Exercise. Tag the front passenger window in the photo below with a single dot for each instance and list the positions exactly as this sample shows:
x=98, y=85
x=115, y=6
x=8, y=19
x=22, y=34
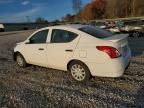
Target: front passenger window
x=39, y=37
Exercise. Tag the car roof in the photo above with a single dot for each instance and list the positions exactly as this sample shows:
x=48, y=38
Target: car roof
x=71, y=26
x=74, y=26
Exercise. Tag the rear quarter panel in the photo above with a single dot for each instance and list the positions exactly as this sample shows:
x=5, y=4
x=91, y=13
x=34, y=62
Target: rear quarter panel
x=86, y=50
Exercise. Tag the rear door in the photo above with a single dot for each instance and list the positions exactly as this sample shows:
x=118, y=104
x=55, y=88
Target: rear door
x=61, y=48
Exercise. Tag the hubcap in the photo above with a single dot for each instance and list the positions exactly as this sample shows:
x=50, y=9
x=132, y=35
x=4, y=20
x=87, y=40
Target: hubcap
x=78, y=72
x=20, y=60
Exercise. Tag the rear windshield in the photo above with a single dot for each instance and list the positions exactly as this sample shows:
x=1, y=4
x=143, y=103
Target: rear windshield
x=96, y=32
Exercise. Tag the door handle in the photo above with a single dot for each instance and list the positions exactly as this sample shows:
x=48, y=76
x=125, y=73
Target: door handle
x=69, y=50
x=40, y=49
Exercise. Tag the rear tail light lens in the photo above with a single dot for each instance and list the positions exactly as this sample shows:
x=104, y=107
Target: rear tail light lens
x=111, y=51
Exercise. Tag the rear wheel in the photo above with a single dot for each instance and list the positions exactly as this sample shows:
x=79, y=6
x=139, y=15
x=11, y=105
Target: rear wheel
x=20, y=60
x=79, y=71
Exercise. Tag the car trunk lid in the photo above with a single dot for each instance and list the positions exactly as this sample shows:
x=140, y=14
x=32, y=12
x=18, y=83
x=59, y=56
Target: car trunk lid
x=117, y=38
x=121, y=41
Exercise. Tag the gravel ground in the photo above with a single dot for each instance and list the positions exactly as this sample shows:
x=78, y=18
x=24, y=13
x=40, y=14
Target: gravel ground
x=37, y=87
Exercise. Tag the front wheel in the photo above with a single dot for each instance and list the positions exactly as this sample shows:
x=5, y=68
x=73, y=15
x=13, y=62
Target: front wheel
x=1, y=30
x=79, y=71
x=20, y=60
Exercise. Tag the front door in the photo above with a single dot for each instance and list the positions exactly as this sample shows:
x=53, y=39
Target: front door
x=35, y=50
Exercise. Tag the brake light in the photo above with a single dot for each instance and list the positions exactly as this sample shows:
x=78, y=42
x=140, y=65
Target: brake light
x=111, y=51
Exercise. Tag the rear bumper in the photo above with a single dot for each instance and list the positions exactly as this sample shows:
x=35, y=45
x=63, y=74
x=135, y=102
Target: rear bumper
x=111, y=68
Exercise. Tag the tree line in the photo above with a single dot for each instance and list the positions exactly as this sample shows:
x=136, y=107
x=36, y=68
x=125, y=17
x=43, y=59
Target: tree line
x=101, y=9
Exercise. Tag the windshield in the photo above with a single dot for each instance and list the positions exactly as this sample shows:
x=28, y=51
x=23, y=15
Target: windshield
x=96, y=32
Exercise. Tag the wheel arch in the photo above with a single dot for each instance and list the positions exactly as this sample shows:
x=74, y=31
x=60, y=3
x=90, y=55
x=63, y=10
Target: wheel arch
x=14, y=55
x=73, y=60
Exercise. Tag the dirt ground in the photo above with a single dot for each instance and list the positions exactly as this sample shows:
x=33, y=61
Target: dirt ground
x=37, y=87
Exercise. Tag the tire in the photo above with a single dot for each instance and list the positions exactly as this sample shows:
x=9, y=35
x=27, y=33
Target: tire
x=136, y=34
x=79, y=71
x=130, y=34
x=142, y=34
x=1, y=30
x=20, y=60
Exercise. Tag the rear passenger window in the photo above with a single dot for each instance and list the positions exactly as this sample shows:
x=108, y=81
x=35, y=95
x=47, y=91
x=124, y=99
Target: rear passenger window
x=62, y=36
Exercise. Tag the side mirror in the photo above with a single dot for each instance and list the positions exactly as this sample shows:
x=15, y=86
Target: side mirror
x=27, y=41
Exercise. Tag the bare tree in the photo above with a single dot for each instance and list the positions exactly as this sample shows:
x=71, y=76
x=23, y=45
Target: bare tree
x=137, y=8
x=68, y=18
x=41, y=20
x=124, y=8
x=98, y=9
x=77, y=5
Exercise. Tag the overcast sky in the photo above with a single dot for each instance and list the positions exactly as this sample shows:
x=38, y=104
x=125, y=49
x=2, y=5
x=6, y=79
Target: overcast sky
x=18, y=10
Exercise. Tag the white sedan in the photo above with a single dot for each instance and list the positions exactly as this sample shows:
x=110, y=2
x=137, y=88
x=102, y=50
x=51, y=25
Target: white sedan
x=2, y=29
x=82, y=50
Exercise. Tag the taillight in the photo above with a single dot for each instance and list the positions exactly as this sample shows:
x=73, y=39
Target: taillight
x=111, y=51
